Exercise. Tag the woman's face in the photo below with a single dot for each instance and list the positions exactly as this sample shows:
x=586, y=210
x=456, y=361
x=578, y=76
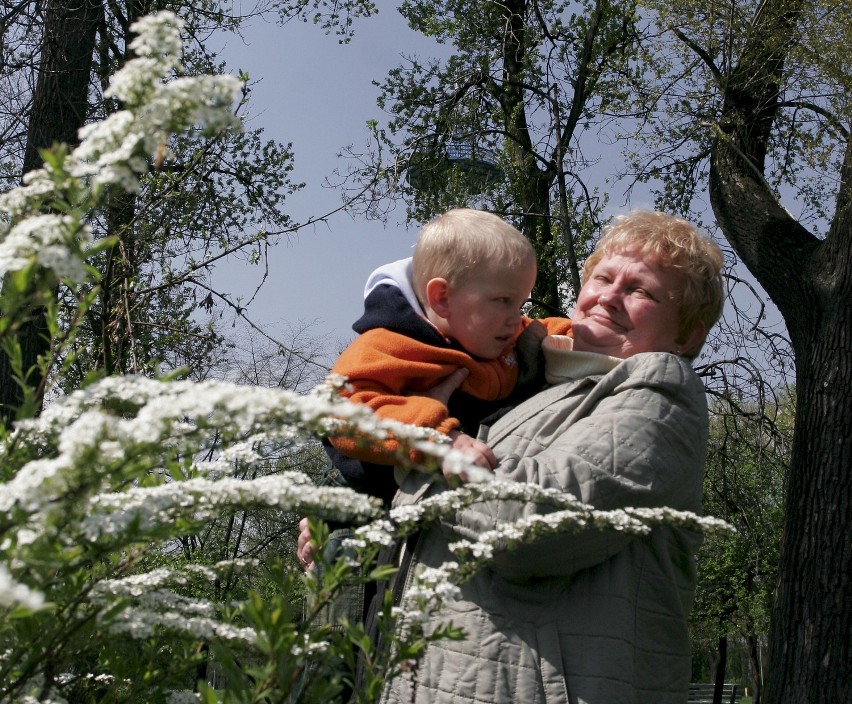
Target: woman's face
x=626, y=307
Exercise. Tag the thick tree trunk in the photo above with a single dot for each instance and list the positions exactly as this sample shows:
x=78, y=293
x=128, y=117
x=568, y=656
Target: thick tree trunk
x=810, y=280
x=60, y=107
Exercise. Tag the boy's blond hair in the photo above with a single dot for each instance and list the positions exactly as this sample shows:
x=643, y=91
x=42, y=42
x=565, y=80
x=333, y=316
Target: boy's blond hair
x=464, y=241
x=671, y=242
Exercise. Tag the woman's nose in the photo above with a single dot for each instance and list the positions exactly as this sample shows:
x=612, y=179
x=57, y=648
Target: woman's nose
x=608, y=296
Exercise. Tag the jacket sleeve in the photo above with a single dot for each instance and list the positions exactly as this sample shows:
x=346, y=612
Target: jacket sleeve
x=381, y=373
x=642, y=443
x=531, y=366
x=556, y=326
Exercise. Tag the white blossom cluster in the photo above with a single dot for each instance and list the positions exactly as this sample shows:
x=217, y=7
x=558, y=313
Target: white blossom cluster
x=134, y=586
x=155, y=411
x=381, y=532
x=155, y=609
x=554, y=511
x=67, y=677
x=431, y=588
x=530, y=528
x=402, y=518
x=44, y=238
x=13, y=593
x=140, y=623
x=146, y=508
x=687, y=519
x=441, y=504
x=173, y=418
x=636, y=521
x=116, y=150
x=306, y=646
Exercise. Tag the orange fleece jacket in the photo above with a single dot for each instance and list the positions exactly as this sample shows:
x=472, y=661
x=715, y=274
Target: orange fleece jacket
x=383, y=366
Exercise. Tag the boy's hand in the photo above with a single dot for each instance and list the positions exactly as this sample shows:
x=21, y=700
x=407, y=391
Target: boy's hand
x=477, y=451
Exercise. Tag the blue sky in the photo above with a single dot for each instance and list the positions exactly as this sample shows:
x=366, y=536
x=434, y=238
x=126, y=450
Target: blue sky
x=318, y=94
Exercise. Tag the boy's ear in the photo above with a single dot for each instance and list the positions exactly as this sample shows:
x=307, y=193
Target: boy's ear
x=438, y=297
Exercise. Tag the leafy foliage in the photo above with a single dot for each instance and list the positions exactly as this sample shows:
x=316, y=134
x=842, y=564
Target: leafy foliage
x=745, y=484
x=508, y=119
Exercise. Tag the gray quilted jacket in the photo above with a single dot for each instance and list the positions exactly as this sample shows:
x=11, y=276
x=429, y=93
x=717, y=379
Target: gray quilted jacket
x=592, y=616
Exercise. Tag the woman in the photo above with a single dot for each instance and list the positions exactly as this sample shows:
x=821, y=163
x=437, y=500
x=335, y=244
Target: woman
x=592, y=616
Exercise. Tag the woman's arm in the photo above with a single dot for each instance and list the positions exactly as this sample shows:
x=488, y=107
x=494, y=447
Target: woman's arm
x=636, y=438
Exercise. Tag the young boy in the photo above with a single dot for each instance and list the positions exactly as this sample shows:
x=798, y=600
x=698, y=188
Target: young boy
x=455, y=304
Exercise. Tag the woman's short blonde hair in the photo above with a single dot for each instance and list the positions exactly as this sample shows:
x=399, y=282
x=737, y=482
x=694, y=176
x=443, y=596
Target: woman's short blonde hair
x=671, y=242
x=464, y=241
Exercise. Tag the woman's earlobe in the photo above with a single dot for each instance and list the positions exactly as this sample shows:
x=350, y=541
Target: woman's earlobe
x=694, y=340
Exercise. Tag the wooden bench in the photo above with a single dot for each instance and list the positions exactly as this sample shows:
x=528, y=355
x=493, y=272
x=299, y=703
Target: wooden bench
x=700, y=693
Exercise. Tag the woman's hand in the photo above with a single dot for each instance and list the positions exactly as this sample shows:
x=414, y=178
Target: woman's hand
x=304, y=545
x=446, y=388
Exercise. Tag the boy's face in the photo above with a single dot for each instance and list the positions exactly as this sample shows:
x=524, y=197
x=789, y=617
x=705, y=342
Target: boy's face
x=483, y=313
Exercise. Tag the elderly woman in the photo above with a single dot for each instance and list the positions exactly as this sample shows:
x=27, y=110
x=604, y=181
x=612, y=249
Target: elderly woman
x=592, y=615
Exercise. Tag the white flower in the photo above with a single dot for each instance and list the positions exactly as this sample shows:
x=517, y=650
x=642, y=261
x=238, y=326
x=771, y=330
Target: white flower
x=48, y=239
x=158, y=35
x=13, y=592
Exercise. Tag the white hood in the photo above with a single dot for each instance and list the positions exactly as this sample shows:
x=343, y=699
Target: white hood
x=397, y=274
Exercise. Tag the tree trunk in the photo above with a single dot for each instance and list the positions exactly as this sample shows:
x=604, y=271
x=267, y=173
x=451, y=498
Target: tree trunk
x=810, y=280
x=721, y=666
x=532, y=184
x=756, y=678
x=59, y=109
x=114, y=324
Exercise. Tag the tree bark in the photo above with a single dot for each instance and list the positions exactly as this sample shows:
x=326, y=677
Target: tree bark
x=60, y=107
x=810, y=281
x=719, y=674
x=754, y=661
x=532, y=182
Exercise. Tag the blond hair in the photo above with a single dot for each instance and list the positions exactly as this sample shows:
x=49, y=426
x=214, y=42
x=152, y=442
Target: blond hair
x=462, y=242
x=671, y=242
